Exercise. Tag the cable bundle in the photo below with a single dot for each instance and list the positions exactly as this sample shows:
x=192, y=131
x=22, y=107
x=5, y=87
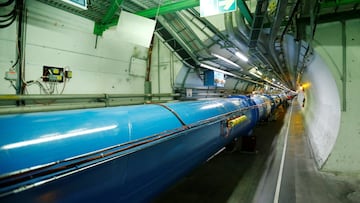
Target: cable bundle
x=8, y=18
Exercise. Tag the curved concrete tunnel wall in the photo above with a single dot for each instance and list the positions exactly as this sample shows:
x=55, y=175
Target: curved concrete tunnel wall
x=321, y=108
x=332, y=101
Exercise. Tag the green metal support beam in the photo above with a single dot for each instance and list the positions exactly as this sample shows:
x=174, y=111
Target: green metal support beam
x=115, y=5
x=99, y=28
x=169, y=8
x=108, y=20
x=245, y=11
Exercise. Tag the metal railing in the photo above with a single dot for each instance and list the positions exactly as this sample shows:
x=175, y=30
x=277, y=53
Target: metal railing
x=12, y=104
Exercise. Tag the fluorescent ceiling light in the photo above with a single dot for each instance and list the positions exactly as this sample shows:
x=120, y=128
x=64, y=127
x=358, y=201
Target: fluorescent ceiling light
x=254, y=71
x=276, y=84
x=256, y=75
x=226, y=60
x=241, y=56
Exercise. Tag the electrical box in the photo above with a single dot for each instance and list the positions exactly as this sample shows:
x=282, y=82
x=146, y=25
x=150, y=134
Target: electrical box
x=53, y=74
x=11, y=75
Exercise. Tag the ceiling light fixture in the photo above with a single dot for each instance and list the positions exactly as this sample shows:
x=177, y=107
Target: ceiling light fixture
x=276, y=84
x=241, y=56
x=254, y=71
x=226, y=60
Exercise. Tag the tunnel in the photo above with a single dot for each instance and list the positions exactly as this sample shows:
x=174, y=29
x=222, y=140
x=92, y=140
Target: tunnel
x=179, y=101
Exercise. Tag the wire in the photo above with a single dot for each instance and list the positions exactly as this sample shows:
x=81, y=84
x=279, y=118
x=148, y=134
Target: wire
x=42, y=87
x=13, y=85
x=9, y=14
x=62, y=90
x=23, y=21
x=7, y=3
x=7, y=19
x=16, y=62
x=8, y=24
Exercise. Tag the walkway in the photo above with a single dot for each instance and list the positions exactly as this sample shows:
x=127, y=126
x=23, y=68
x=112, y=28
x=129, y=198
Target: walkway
x=291, y=174
x=282, y=171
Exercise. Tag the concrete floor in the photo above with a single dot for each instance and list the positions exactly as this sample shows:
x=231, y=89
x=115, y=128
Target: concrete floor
x=254, y=177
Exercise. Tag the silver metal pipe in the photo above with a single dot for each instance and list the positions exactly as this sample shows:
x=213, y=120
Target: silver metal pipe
x=67, y=106
x=280, y=13
x=235, y=37
x=229, y=26
x=80, y=96
x=50, y=97
x=29, y=109
x=241, y=25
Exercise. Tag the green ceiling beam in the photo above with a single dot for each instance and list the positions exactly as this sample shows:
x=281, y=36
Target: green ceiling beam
x=244, y=9
x=337, y=3
x=169, y=8
x=99, y=28
x=115, y=6
x=108, y=19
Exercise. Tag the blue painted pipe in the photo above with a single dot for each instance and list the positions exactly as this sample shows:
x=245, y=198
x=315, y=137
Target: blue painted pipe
x=264, y=106
x=117, y=154
x=273, y=103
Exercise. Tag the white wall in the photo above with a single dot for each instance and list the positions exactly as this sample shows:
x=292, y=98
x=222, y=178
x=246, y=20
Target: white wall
x=61, y=39
x=7, y=56
x=345, y=156
x=58, y=38
x=164, y=69
x=326, y=98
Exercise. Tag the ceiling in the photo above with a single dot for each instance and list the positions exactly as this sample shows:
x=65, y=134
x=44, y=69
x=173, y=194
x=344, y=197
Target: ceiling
x=259, y=29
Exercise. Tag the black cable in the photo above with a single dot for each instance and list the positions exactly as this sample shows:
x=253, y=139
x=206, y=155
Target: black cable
x=8, y=24
x=9, y=14
x=16, y=62
x=7, y=19
x=7, y=3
